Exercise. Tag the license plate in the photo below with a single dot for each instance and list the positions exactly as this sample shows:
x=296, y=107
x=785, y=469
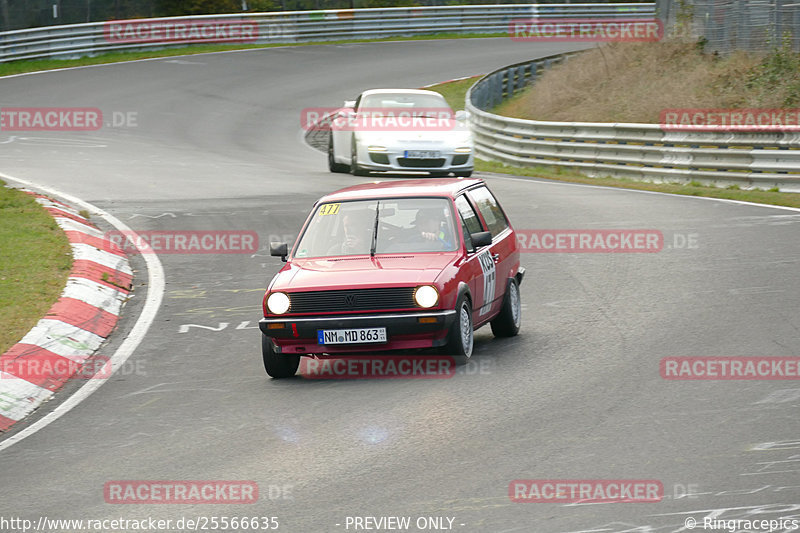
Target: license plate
x=351, y=336
x=422, y=154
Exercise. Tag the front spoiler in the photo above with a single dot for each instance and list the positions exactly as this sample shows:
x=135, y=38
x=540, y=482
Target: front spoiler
x=395, y=324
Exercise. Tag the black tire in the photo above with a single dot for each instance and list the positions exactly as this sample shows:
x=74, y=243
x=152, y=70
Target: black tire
x=461, y=338
x=354, y=168
x=507, y=322
x=464, y=174
x=333, y=166
x=439, y=174
x=278, y=365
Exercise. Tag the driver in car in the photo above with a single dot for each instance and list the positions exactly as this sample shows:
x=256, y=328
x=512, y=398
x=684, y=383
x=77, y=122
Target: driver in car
x=429, y=224
x=356, y=233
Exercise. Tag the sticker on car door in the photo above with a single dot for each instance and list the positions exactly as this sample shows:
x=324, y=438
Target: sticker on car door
x=489, y=281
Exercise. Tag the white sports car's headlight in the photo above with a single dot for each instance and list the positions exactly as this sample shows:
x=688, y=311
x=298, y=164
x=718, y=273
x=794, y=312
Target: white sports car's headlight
x=278, y=303
x=426, y=296
x=463, y=150
x=376, y=148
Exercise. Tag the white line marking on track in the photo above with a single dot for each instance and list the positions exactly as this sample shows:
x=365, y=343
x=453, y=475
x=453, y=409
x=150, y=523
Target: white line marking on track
x=155, y=293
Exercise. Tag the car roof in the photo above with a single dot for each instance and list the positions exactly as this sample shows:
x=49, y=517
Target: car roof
x=399, y=91
x=449, y=187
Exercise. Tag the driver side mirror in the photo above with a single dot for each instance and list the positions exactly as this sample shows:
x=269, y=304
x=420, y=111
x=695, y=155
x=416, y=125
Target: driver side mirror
x=279, y=249
x=482, y=238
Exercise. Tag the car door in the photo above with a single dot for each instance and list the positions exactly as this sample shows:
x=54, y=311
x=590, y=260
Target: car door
x=479, y=267
x=501, y=260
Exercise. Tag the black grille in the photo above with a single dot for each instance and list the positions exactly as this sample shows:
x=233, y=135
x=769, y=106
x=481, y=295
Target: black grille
x=352, y=300
x=381, y=159
x=460, y=159
x=420, y=163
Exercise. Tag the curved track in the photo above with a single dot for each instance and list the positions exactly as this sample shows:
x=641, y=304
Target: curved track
x=576, y=396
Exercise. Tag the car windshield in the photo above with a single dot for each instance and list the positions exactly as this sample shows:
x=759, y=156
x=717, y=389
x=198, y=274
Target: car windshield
x=395, y=101
x=405, y=225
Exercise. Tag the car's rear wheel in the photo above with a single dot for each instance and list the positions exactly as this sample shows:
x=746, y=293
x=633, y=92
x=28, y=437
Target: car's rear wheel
x=507, y=322
x=354, y=168
x=278, y=365
x=460, y=339
x=333, y=166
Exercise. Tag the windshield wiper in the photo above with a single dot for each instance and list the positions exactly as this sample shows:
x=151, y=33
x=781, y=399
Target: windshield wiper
x=375, y=231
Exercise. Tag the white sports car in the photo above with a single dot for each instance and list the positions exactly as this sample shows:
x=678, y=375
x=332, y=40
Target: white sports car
x=391, y=130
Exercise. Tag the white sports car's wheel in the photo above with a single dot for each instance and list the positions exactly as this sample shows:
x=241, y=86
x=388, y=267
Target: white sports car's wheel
x=354, y=168
x=333, y=166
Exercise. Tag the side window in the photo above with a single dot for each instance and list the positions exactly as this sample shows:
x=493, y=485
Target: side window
x=468, y=215
x=490, y=209
x=467, y=238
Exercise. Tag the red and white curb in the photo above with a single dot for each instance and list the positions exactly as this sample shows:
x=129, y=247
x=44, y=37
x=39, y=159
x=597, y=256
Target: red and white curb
x=57, y=348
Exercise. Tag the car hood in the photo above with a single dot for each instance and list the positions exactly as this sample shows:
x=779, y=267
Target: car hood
x=361, y=271
x=455, y=137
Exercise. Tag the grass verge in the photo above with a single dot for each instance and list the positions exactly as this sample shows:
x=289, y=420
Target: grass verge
x=634, y=82
x=455, y=92
x=35, y=260
x=24, y=66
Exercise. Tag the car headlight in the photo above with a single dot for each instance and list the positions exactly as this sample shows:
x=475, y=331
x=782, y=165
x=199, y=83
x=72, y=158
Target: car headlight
x=426, y=296
x=278, y=303
x=463, y=150
x=376, y=148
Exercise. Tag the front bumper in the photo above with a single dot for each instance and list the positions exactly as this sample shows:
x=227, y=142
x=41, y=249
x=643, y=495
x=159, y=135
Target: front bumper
x=394, y=160
x=403, y=331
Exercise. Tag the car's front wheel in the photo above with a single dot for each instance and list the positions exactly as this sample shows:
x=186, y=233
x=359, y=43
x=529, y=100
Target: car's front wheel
x=354, y=168
x=460, y=339
x=464, y=174
x=278, y=365
x=333, y=166
x=507, y=322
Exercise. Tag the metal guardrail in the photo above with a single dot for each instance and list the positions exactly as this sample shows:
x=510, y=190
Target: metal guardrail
x=636, y=151
x=308, y=26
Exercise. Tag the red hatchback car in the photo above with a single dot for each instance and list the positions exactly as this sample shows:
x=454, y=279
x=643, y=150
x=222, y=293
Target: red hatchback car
x=397, y=265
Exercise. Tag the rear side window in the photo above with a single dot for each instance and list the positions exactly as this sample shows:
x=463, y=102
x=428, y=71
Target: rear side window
x=490, y=209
